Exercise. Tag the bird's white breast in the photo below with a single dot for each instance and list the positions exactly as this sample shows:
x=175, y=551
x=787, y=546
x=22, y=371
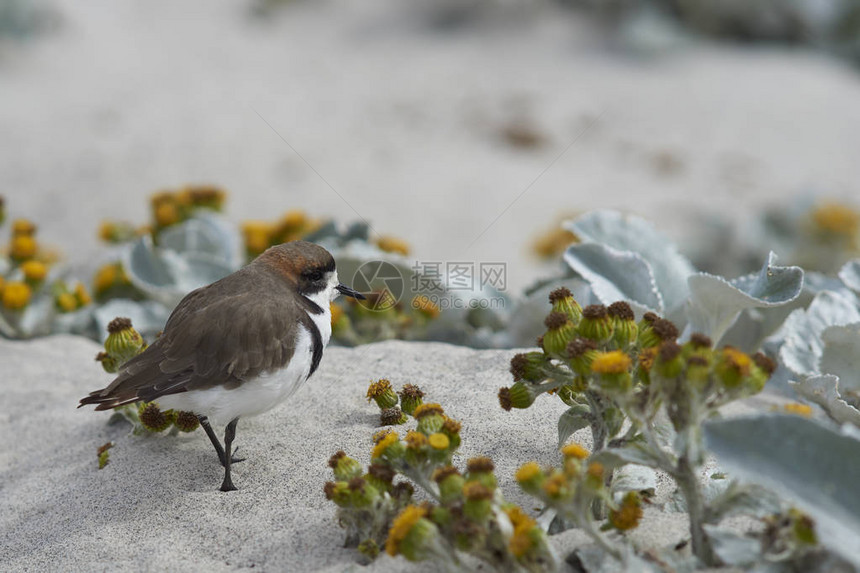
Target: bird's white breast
x=262, y=393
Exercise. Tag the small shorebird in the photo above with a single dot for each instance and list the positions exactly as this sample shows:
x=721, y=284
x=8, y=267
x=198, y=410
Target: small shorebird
x=239, y=346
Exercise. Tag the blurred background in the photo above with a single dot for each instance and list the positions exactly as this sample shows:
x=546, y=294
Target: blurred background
x=468, y=129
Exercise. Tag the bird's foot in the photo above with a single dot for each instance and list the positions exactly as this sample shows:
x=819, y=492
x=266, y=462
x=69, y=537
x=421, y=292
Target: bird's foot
x=233, y=458
x=227, y=485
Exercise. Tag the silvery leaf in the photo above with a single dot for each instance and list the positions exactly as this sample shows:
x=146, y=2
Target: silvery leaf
x=615, y=275
x=77, y=322
x=209, y=234
x=630, y=233
x=147, y=317
x=841, y=351
x=166, y=275
x=801, y=334
x=594, y=559
x=811, y=465
x=824, y=391
x=36, y=318
x=728, y=497
x=573, y=419
x=850, y=275
x=733, y=548
x=630, y=454
x=325, y=232
x=633, y=477
x=715, y=302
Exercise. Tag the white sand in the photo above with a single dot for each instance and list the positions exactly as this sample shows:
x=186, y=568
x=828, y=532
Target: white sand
x=156, y=506
x=403, y=121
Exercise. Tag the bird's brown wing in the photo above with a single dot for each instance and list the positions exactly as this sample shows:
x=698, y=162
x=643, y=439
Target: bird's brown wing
x=222, y=334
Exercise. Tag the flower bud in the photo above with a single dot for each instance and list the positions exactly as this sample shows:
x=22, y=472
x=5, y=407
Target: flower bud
x=389, y=448
x=438, y=441
x=527, y=536
x=451, y=428
x=344, y=467
x=668, y=362
x=478, y=504
x=338, y=492
x=380, y=476
x=123, y=342
x=517, y=396
x=654, y=330
x=562, y=301
x=23, y=227
x=369, y=549
x=529, y=367
x=594, y=476
x=556, y=487
x=412, y=534
x=392, y=417
x=698, y=372
x=450, y=484
x=560, y=331
x=186, y=421
x=480, y=469
x=596, y=324
x=575, y=451
x=530, y=477
x=108, y=362
x=581, y=352
x=411, y=397
x=153, y=418
x=430, y=418
x=732, y=367
x=382, y=393
x=361, y=493
x=624, y=327
x=104, y=454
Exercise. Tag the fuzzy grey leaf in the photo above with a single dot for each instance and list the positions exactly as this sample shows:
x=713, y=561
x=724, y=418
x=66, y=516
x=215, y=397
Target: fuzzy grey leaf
x=801, y=333
x=630, y=454
x=634, y=234
x=810, y=464
x=850, y=275
x=715, y=302
x=573, y=419
x=841, y=349
x=209, y=234
x=732, y=548
x=824, y=391
x=615, y=275
x=634, y=477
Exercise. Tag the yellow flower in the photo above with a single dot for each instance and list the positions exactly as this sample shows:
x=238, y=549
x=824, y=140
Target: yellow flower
x=522, y=540
x=574, y=451
x=105, y=278
x=629, y=514
x=34, y=271
x=553, y=243
x=294, y=219
x=66, y=302
x=257, y=236
x=555, y=485
x=415, y=440
x=23, y=227
x=798, y=409
x=82, y=295
x=427, y=410
x=836, y=219
x=391, y=244
x=166, y=214
x=614, y=362
x=383, y=444
x=23, y=247
x=439, y=441
x=528, y=471
x=401, y=527
x=336, y=313
x=16, y=295
x=423, y=304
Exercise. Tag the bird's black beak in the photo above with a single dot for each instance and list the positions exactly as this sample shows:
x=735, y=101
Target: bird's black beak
x=346, y=291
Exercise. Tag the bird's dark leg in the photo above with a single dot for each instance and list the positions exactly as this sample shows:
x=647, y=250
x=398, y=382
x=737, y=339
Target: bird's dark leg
x=204, y=421
x=229, y=434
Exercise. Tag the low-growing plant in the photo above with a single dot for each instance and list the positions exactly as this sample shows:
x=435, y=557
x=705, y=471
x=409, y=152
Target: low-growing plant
x=622, y=379
x=466, y=512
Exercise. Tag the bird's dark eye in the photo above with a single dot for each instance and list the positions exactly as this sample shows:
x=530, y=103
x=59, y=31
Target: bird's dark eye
x=315, y=275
